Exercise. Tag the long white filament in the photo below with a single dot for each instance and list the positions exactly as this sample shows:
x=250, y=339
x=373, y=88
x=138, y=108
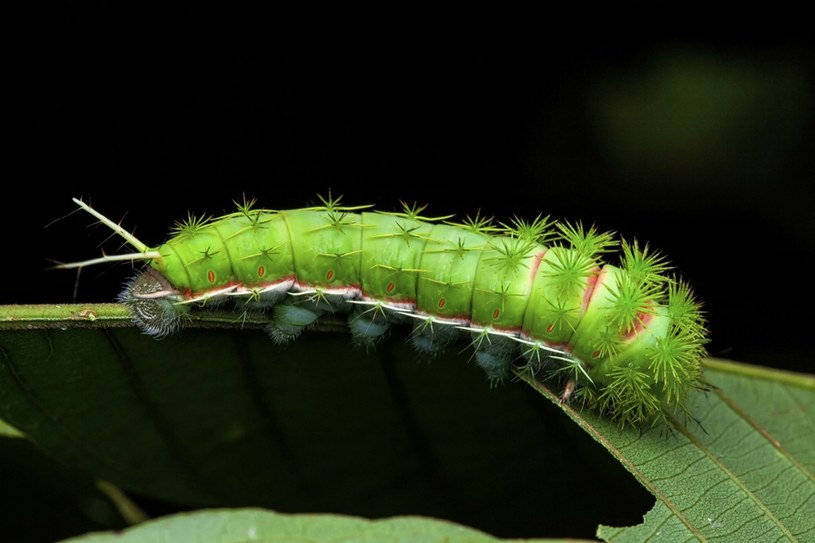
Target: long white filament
x=144, y=254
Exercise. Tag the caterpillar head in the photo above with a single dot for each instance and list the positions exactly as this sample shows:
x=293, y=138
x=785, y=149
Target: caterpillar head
x=154, y=303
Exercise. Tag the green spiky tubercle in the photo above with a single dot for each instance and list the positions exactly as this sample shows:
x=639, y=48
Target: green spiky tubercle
x=628, y=339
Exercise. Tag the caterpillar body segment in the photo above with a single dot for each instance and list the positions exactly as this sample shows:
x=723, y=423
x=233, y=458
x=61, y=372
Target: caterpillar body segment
x=627, y=339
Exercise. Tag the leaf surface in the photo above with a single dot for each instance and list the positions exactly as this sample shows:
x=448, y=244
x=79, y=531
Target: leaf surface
x=238, y=526
x=218, y=417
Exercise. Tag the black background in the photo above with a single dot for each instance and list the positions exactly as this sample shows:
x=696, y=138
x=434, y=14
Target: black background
x=696, y=139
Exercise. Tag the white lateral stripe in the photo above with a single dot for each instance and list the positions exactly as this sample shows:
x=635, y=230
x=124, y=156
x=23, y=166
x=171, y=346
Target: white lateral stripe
x=211, y=294
x=490, y=331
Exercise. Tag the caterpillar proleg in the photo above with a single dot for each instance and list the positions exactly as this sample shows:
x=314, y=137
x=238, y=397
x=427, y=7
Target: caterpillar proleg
x=627, y=338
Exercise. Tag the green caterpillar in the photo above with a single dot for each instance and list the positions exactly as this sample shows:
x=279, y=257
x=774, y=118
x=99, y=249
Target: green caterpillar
x=628, y=339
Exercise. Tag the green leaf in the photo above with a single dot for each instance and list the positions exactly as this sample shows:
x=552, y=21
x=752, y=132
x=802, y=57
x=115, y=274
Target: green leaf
x=744, y=470
x=219, y=417
x=223, y=418
x=238, y=526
